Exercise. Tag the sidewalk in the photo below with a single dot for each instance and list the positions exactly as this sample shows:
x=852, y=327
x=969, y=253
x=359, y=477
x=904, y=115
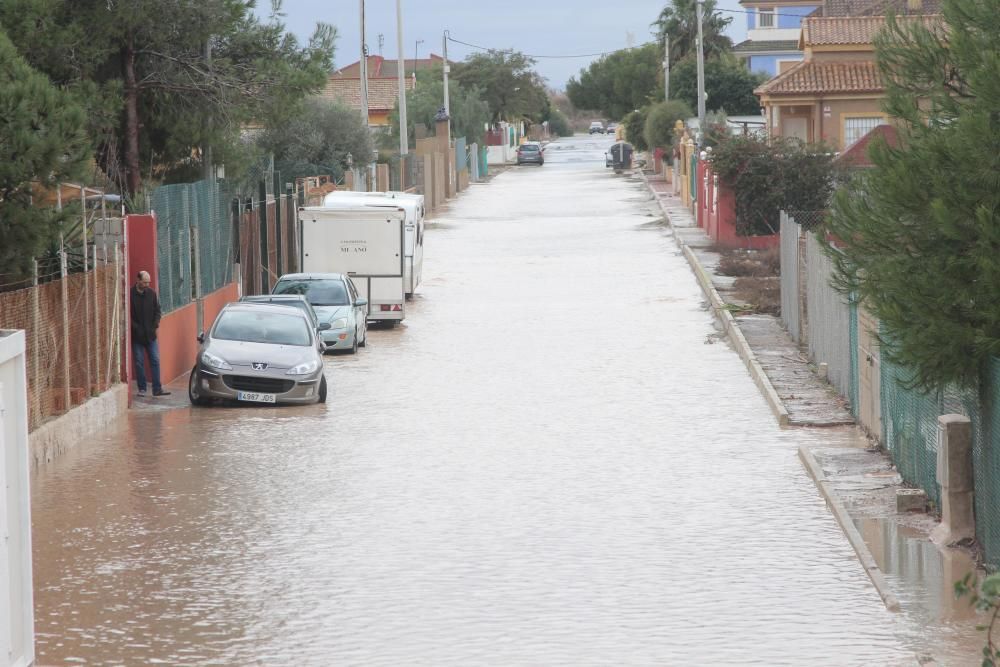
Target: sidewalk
x=859, y=483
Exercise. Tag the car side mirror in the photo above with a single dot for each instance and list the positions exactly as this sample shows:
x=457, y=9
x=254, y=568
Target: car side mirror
x=201, y=337
x=322, y=346
x=361, y=302
x=324, y=326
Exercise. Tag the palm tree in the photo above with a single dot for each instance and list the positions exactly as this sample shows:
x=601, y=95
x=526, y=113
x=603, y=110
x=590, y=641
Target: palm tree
x=679, y=21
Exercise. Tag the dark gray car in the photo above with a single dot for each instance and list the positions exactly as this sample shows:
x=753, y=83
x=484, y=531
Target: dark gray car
x=294, y=300
x=259, y=353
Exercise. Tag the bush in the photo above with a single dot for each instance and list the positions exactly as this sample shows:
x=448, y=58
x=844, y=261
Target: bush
x=559, y=124
x=768, y=177
x=635, y=128
x=659, y=130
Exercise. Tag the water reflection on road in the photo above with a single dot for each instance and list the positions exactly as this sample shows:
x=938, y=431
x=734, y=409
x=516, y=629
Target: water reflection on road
x=551, y=462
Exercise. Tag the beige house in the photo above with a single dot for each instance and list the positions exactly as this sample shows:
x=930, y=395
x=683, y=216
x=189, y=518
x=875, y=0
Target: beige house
x=834, y=95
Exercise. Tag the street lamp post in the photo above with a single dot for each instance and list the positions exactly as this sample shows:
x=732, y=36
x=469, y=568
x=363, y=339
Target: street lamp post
x=404, y=139
x=701, y=69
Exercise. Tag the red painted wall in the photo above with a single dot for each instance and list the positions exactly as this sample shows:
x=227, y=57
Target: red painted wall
x=178, y=334
x=719, y=220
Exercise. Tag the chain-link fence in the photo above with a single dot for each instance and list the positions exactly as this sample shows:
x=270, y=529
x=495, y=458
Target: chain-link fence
x=829, y=317
x=987, y=465
x=74, y=327
x=193, y=241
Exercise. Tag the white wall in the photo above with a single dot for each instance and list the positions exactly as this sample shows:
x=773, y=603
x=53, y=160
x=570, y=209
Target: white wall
x=17, y=628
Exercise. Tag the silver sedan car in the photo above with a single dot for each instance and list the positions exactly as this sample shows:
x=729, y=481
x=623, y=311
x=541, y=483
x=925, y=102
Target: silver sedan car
x=259, y=353
x=336, y=301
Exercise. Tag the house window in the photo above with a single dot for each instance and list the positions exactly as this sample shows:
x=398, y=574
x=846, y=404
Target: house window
x=856, y=127
x=765, y=17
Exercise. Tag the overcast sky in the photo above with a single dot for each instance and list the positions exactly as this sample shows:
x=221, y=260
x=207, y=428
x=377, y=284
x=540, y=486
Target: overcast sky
x=538, y=27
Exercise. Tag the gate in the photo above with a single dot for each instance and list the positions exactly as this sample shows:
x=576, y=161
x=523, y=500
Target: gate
x=869, y=374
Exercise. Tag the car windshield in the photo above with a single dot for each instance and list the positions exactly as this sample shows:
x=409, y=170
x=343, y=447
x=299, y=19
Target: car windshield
x=262, y=327
x=320, y=292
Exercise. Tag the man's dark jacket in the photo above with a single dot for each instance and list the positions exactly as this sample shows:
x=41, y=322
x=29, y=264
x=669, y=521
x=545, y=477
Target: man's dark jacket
x=145, y=315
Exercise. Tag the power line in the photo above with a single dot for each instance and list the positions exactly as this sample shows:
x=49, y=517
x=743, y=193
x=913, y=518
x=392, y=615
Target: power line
x=535, y=55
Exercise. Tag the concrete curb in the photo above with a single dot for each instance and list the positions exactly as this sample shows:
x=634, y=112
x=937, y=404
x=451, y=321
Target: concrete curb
x=729, y=324
x=55, y=438
x=840, y=513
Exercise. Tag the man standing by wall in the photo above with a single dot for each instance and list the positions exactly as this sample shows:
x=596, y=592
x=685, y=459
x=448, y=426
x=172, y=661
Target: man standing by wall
x=145, y=307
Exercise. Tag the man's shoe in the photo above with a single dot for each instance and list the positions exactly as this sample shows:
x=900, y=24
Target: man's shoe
x=141, y=393
x=161, y=393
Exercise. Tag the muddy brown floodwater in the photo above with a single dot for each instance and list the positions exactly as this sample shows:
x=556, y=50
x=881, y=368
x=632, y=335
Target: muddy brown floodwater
x=554, y=461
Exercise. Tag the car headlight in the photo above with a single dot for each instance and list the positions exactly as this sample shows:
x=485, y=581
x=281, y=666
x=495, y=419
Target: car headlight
x=305, y=368
x=339, y=324
x=219, y=363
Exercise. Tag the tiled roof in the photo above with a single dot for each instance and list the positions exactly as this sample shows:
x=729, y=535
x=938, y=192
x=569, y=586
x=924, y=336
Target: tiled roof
x=844, y=30
x=379, y=67
x=382, y=93
x=751, y=46
x=875, y=7
x=825, y=77
x=856, y=154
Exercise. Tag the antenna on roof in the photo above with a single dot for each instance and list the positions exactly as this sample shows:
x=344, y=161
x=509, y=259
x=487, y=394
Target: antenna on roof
x=381, y=43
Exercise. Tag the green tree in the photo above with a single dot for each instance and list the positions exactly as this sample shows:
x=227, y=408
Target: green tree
x=469, y=112
x=679, y=21
x=507, y=83
x=559, y=124
x=921, y=231
x=661, y=120
x=43, y=140
x=728, y=84
x=619, y=83
x=635, y=128
x=165, y=79
x=317, y=140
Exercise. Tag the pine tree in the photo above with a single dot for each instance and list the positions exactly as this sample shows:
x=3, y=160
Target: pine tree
x=42, y=141
x=920, y=233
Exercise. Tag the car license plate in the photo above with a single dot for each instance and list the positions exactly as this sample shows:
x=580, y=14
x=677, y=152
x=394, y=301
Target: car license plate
x=256, y=397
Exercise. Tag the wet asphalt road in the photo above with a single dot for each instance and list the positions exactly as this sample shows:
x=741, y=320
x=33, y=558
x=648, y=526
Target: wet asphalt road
x=554, y=461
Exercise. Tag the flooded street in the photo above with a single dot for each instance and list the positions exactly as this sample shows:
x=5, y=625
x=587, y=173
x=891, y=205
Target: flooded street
x=553, y=461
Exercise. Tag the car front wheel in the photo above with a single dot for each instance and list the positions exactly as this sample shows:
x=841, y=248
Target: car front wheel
x=193, y=395
x=322, y=390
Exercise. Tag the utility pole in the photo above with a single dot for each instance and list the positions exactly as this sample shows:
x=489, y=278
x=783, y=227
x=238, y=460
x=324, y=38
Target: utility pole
x=446, y=69
x=701, y=69
x=404, y=139
x=206, y=158
x=364, y=69
x=666, y=67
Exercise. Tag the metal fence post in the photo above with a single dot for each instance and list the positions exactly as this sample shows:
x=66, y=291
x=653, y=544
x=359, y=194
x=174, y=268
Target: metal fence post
x=97, y=328
x=36, y=357
x=119, y=333
x=64, y=303
x=86, y=299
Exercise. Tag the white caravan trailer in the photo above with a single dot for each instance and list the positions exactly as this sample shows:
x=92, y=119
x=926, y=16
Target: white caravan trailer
x=414, y=206
x=365, y=243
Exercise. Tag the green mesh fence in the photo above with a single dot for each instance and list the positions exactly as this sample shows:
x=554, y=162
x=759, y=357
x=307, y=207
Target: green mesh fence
x=986, y=452
x=853, y=344
x=184, y=213
x=909, y=428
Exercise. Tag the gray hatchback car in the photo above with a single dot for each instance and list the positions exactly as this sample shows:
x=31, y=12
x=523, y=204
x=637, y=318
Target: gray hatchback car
x=259, y=353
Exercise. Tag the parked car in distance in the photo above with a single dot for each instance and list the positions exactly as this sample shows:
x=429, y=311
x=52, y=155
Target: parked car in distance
x=610, y=129
x=336, y=301
x=259, y=353
x=596, y=127
x=293, y=300
x=530, y=153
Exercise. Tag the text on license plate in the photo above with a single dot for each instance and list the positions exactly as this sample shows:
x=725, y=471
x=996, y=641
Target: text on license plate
x=255, y=396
